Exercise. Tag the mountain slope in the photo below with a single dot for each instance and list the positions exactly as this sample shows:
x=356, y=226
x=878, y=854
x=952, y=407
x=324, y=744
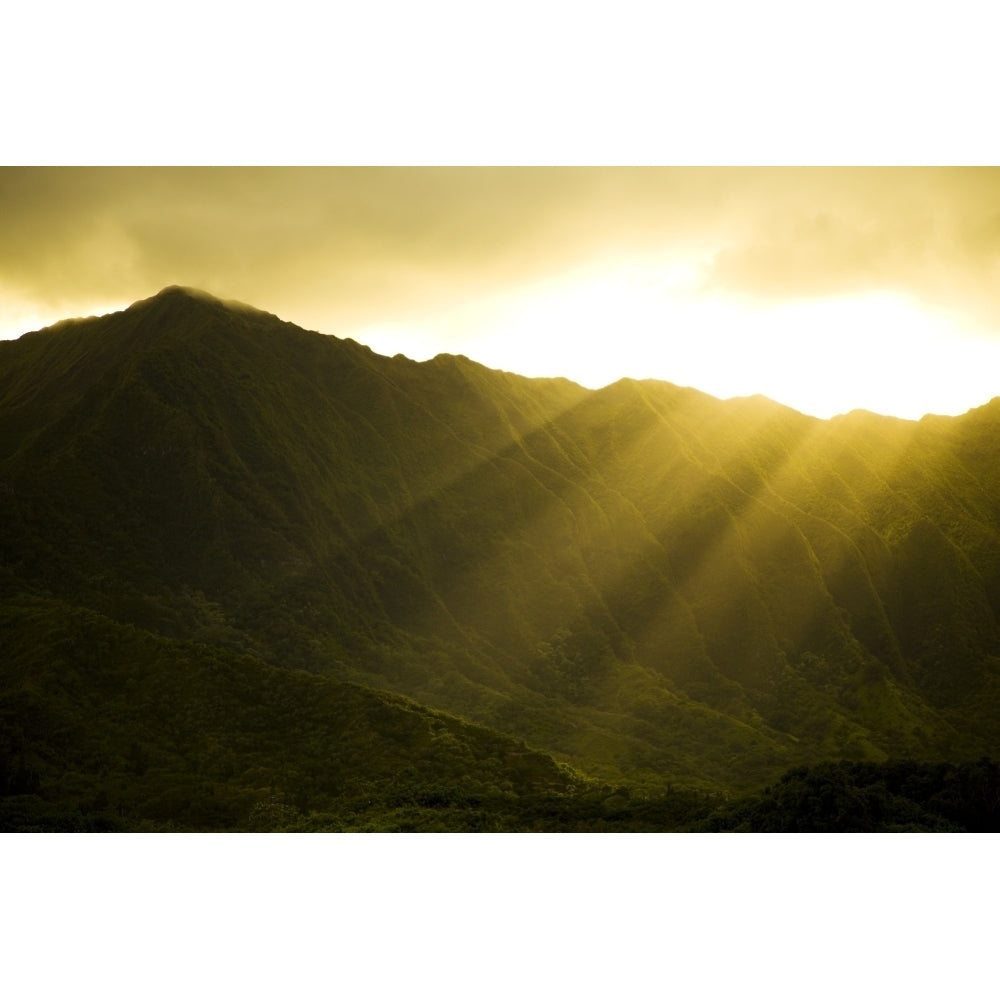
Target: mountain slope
x=644, y=581
x=121, y=729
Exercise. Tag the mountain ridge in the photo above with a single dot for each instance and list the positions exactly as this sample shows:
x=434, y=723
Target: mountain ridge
x=647, y=583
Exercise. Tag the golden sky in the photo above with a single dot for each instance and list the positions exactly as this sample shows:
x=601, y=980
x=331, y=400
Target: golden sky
x=824, y=288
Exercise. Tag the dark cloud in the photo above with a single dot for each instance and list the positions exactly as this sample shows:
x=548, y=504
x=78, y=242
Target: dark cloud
x=347, y=245
x=350, y=236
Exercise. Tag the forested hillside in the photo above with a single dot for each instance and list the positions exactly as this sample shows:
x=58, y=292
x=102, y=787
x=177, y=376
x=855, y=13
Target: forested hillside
x=224, y=538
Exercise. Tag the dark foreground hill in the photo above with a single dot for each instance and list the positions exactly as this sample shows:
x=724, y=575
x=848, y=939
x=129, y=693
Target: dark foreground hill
x=639, y=588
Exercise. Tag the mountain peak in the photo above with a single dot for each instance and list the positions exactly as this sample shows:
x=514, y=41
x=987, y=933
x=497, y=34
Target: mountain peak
x=178, y=294
x=178, y=291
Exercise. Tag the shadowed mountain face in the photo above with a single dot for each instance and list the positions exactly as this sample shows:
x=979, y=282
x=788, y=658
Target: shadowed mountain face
x=650, y=584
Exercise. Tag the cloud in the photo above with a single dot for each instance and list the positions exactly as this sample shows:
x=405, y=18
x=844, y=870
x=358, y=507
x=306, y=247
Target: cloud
x=930, y=234
x=339, y=246
x=347, y=235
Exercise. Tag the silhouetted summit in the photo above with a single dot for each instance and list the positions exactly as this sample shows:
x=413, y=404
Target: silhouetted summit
x=179, y=297
x=178, y=292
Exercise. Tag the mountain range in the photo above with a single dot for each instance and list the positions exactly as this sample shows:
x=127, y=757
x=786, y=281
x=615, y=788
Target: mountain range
x=256, y=577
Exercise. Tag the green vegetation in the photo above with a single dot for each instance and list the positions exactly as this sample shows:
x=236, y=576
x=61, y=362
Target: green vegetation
x=109, y=727
x=895, y=797
x=300, y=585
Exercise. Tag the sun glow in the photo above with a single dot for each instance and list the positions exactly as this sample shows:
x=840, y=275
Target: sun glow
x=19, y=317
x=878, y=351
